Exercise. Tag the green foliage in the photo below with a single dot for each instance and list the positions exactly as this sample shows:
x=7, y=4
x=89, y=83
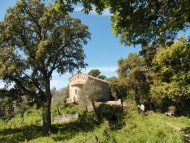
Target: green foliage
x=35, y=41
x=11, y=102
x=118, y=88
x=138, y=22
x=171, y=75
x=72, y=109
x=90, y=93
x=113, y=114
x=59, y=98
x=153, y=128
x=148, y=52
x=133, y=75
x=96, y=73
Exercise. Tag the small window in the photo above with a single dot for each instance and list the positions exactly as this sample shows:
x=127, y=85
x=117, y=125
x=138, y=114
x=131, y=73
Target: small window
x=75, y=91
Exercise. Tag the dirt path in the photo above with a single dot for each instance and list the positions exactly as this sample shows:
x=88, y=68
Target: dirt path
x=180, y=130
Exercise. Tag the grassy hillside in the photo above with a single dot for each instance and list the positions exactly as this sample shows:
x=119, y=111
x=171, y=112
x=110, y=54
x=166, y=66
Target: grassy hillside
x=153, y=128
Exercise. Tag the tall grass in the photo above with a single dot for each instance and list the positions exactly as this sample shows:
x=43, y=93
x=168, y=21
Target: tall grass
x=137, y=129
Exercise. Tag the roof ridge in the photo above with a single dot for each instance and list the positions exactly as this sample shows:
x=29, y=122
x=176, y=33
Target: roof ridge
x=89, y=76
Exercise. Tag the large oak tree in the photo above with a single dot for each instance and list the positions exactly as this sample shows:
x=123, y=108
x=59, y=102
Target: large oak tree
x=35, y=41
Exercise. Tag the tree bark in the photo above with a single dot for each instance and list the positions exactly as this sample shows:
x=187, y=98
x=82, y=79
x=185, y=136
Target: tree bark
x=58, y=111
x=93, y=105
x=46, y=116
x=46, y=110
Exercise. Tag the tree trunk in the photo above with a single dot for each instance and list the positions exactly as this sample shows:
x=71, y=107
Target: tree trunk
x=58, y=111
x=122, y=102
x=93, y=105
x=46, y=107
x=86, y=109
x=46, y=116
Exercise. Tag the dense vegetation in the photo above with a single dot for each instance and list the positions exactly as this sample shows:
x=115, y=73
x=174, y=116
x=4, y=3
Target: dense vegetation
x=135, y=128
x=158, y=76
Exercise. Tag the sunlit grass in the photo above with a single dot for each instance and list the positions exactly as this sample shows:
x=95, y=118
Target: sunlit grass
x=137, y=129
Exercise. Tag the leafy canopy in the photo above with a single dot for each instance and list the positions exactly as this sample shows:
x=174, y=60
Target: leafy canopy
x=139, y=21
x=134, y=73
x=171, y=74
x=35, y=41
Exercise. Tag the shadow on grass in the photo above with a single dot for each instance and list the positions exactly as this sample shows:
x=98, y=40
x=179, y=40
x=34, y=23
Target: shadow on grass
x=187, y=130
x=187, y=134
x=59, y=132
x=21, y=134
x=66, y=131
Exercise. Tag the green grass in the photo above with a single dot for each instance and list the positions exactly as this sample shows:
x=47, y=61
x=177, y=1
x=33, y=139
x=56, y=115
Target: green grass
x=137, y=129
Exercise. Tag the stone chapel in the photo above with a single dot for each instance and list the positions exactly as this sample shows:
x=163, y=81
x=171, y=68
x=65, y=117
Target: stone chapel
x=77, y=81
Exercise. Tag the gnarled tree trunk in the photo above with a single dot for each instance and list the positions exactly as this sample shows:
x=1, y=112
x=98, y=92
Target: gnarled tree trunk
x=46, y=116
x=46, y=109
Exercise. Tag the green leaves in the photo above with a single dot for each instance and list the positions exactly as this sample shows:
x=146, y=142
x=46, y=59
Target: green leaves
x=171, y=75
x=43, y=39
x=35, y=41
x=139, y=22
x=96, y=73
x=90, y=92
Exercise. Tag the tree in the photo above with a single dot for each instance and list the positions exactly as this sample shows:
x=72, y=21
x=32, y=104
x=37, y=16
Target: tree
x=134, y=71
x=35, y=41
x=96, y=73
x=59, y=98
x=53, y=91
x=102, y=77
x=11, y=103
x=148, y=52
x=139, y=21
x=118, y=88
x=171, y=74
x=90, y=93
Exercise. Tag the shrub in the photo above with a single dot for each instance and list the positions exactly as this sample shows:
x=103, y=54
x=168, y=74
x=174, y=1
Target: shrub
x=112, y=113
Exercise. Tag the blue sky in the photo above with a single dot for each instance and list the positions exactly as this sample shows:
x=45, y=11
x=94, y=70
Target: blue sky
x=102, y=51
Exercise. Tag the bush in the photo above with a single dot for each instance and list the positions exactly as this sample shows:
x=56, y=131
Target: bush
x=112, y=113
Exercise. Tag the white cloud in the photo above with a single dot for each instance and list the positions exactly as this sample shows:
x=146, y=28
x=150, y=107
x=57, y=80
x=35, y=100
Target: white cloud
x=107, y=71
x=93, y=12
x=103, y=69
x=78, y=8
x=106, y=12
